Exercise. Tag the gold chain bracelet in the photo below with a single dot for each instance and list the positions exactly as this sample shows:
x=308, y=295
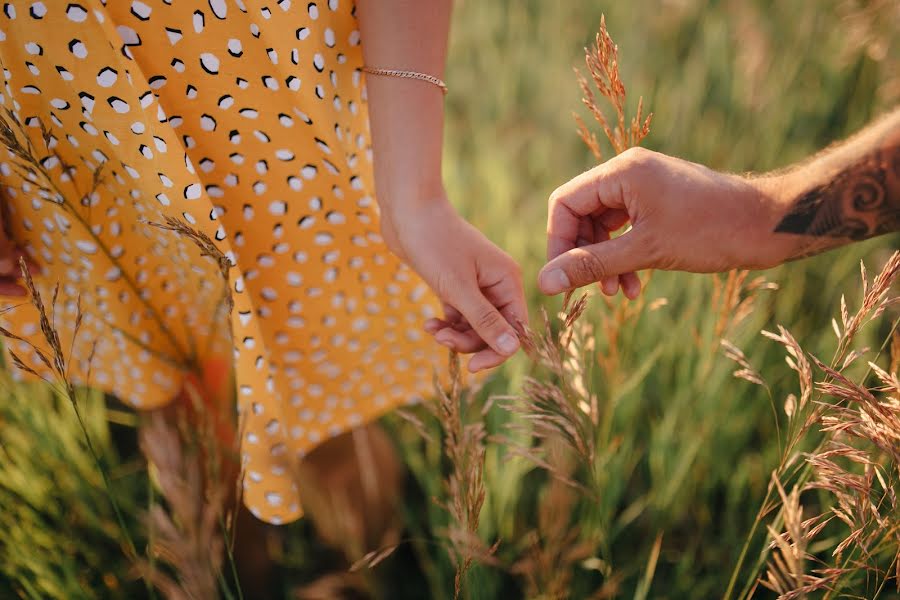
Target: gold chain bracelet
x=408, y=75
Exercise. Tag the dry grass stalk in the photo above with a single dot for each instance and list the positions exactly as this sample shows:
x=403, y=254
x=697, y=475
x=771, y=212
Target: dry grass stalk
x=560, y=418
x=786, y=574
x=746, y=372
x=875, y=301
x=563, y=412
x=557, y=545
x=464, y=447
x=187, y=535
x=194, y=486
x=858, y=460
x=54, y=358
x=566, y=411
x=602, y=62
x=616, y=318
x=37, y=168
x=734, y=298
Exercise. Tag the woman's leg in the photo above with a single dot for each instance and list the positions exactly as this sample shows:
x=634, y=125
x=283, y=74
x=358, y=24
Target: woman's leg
x=351, y=485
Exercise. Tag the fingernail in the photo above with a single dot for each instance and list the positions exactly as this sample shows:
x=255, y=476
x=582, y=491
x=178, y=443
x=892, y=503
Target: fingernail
x=555, y=281
x=6, y=265
x=444, y=341
x=507, y=343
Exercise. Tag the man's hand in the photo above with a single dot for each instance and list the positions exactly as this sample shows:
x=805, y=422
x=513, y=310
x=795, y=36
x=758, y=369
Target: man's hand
x=683, y=217
x=479, y=284
x=686, y=217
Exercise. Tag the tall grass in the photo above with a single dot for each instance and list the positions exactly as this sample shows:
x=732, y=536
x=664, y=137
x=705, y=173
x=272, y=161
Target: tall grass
x=634, y=463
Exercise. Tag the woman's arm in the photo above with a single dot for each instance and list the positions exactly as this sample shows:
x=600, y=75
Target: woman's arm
x=406, y=115
x=480, y=286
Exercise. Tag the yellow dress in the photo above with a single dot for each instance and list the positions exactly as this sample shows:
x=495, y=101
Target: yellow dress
x=154, y=123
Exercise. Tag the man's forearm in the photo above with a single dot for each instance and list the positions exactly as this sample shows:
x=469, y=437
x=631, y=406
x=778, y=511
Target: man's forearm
x=406, y=115
x=851, y=192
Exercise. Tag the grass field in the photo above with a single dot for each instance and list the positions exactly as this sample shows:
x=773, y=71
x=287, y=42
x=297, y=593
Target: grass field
x=684, y=450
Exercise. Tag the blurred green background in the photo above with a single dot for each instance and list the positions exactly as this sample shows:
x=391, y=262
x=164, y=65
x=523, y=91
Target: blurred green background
x=734, y=84
x=740, y=85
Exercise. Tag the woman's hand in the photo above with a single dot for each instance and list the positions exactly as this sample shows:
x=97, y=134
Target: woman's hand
x=479, y=284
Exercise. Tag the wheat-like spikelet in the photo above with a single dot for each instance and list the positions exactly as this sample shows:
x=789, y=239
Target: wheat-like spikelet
x=602, y=62
x=187, y=536
x=464, y=447
x=734, y=299
x=561, y=410
x=557, y=545
x=787, y=572
x=177, y=450
x=556, y=419
x=54, y=358
x=857, y=462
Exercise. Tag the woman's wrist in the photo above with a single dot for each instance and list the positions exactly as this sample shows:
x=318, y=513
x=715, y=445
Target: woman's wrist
x=400, y=196
x=403, y=215
x=403, y=212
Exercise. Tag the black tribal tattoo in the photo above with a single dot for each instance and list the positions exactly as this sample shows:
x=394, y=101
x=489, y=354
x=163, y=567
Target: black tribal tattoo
x=862, y=201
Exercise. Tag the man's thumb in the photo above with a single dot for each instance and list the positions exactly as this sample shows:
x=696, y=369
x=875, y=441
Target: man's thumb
x=585, y=265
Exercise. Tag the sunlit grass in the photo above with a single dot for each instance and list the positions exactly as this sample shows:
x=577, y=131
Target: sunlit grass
x=684, y=451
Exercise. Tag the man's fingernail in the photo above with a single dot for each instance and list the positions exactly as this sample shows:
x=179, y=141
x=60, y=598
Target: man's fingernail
x=555, y=281
x=610, y=286
x=507, y=343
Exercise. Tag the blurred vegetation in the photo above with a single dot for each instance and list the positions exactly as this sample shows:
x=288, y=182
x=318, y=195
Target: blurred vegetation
x=735, y=84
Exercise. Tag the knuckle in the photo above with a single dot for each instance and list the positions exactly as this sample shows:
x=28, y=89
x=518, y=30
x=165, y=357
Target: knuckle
x=588, y=267
x=487, y=319
x=637, y=156
x=445, y=285
x=626, y=179
x=514, y=268
x=555, y=198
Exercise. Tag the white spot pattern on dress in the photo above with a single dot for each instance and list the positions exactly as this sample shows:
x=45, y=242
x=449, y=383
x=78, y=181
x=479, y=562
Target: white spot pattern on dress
x=323, y=313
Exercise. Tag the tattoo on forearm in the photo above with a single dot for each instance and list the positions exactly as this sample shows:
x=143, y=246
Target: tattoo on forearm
x=862, y=201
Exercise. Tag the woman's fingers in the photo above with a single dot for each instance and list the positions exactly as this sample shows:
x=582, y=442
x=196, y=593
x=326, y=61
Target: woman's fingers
x=432, y=326
x=464, y=342
x=481, y=308
x=486, y=359
x=509, y=296
x=453, y=319
x=483, y=320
